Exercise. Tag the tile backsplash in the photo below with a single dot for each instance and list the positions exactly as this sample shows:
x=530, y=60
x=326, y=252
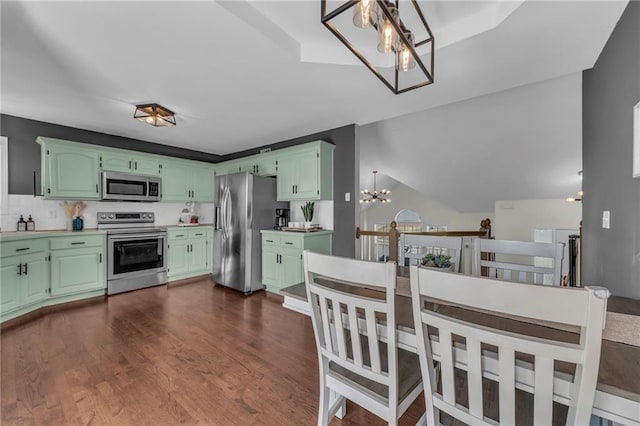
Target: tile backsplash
x=49, y=214
x=322, y=214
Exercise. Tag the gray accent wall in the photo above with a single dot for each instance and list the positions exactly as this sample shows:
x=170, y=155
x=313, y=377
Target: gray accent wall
x=611, y=257
x=24, y=152
x=24, y=158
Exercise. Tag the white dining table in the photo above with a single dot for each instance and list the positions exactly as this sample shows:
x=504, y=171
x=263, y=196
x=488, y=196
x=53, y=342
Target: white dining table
x=617, y=396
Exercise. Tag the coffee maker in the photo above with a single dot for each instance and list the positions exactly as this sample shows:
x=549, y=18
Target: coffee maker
x=282, y=219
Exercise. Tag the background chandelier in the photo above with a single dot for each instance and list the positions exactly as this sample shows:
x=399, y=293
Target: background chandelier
x=579, y=195
x=372, y=197
x=398, y=36
x=155, y=115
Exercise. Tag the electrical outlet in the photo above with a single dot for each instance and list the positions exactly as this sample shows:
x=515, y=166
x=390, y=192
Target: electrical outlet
x=606, y=219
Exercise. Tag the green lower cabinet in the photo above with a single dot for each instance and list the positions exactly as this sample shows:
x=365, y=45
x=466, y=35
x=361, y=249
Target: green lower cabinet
x=282, y=264
x=189, y=252
x=77, y=270
x=24, y=281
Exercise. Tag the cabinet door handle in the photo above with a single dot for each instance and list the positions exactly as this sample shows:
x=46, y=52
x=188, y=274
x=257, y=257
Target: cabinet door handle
x=129, y=164
x=100, y=257
x=26, y=270
x=135, y=165
x=258, y=168
x=78, y=242
x=187, y=248
x=20, y=269
x=96, y=188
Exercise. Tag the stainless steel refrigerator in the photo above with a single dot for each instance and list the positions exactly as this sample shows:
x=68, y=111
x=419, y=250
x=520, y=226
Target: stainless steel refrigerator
x=246, y=204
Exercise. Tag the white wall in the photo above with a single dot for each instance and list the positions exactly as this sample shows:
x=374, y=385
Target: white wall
x=431, y=211
x=516, y=219
x=49, y=214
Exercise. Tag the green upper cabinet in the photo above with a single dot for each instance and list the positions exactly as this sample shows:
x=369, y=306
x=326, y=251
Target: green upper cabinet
x=265, y=164
x=175, y=181
x=187, y=181
x=306, y=173
x=202, y=184
x=69, y=170
x=127, y=162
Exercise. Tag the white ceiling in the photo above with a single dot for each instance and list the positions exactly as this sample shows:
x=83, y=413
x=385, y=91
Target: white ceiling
x=245, y=74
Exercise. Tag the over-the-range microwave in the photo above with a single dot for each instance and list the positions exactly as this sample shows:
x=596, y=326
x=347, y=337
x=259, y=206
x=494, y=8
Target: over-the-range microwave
x=129, y=187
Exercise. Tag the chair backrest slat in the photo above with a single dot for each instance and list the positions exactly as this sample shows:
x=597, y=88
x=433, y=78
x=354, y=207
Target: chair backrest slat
x=507, y=387
x=524, y=272
x=582, y=307
x=423, y=244
x=326, y=324
x=372, y=338
x=543, y=393
x=339, y=328
x=474, y=375
x=446, y=360
x=355, y=335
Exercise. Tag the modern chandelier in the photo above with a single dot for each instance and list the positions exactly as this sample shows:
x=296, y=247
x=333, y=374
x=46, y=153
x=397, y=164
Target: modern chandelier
x=155, y=115
x=401, y=39
x=372, y=197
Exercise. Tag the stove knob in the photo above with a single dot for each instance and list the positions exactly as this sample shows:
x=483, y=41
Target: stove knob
x=103, y=216
x=111, y=216
x=150, y=215
x=144, y=215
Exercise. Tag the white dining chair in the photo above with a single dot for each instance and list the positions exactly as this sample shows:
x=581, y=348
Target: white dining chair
x=515, y=260
x=475, y=347
x=349, y=326
x=414, y=247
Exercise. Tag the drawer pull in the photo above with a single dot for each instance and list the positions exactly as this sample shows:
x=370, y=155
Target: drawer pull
x=199, y=234
x=180, y=235
x=269, y=241
x=78, y=242
x=23, y=249
x=288, y=242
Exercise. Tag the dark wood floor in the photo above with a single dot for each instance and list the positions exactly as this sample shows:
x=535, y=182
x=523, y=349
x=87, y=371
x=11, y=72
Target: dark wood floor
x=192, y=353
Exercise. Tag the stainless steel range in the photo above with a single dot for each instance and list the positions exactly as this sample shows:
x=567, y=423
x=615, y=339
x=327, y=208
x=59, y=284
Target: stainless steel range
x=136, y=251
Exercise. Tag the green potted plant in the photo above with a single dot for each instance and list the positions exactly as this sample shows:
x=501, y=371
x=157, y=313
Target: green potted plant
x=307, y=212
x=439, y=261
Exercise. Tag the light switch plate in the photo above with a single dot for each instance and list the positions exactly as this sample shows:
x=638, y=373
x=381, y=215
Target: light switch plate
x=606, y=219
x=347, y=196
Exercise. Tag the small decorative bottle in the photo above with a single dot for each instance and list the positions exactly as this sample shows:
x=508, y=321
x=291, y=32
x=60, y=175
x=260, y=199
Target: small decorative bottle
x=31, y=225
x=22, y=225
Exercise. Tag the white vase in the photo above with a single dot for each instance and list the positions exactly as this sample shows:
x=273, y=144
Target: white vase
x=308, y=225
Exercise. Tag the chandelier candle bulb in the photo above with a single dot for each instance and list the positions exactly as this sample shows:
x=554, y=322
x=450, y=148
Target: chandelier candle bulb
x=388, y=39
x=364, y=13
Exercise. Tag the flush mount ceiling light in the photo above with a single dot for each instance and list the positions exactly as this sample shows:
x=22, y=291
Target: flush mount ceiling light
x=372, y=197
x=388, y=42
x=155, y=115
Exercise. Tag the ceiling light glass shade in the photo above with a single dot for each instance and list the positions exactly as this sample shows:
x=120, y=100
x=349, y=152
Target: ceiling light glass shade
x=365, y=13
x=388, y=38
x=405, y=57
x=155, y=115
x=399, y=73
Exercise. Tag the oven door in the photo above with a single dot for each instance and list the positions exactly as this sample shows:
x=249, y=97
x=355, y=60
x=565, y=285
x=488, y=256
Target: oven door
x=133, y=255
x=124, y=187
